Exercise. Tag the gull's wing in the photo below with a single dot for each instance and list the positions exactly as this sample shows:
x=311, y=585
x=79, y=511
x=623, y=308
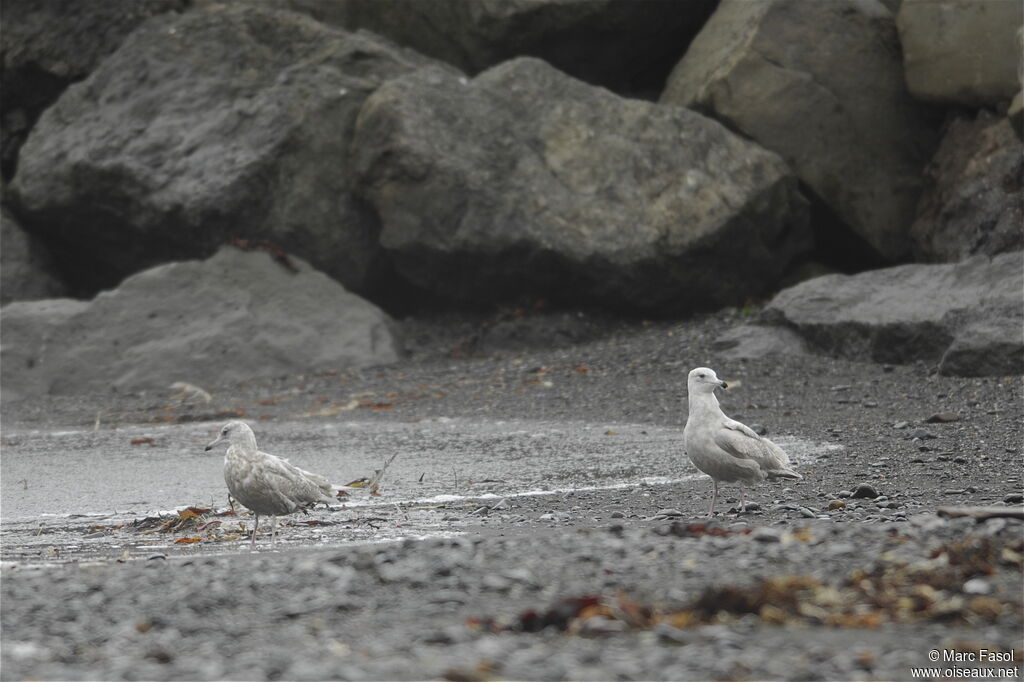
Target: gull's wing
x=740, y=441
x=300, y=486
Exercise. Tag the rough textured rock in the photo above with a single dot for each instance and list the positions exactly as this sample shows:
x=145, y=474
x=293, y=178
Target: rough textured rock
x=975, y=203
x=233, y=121
x=526, y=182
x=26, y=269
x=626, y=46
x=755, y=341
x=961, y=51
x=1016, y=115
x=235, y=316
x=968, y=317
x=49, y=44
x=820, y=83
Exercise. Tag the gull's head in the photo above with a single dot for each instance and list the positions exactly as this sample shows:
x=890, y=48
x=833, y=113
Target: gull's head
x=703, y=380
x=234, y=433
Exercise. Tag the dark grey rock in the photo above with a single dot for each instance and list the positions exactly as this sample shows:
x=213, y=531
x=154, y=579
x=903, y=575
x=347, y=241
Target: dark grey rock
x=229, y=122
x=50, y=44
x=1014, y=498
x=627, y=47
x=864, y=491
x=755, y=341
x=27, y=272
x=766, y=534
x=780, y=72
x=1016, y=115
x=966, y=317
x=942, y=418
x=974, y=200
x=526, y=182
x=960, y=51
x=236, y=316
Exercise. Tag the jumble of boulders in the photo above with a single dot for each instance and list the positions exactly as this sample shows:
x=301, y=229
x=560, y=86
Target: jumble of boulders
x=646, y=158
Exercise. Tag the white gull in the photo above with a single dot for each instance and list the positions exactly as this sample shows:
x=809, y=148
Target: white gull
x=266, y=484
x=723, y=448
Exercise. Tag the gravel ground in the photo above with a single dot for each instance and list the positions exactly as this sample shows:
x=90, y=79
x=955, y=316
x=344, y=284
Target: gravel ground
x=847, y=574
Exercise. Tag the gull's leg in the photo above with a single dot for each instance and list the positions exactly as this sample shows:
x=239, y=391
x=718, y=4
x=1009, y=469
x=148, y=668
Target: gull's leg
x=743, y=498
x=714, y=498
x=273, y=530
x=256, y=525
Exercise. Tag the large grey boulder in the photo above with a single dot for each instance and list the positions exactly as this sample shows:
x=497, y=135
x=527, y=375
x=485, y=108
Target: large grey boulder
x=49, y=44
x=527, y=182
x=624, y=45
x=967, y=317
x=975, y=199
x=820, y=83
x=236, y=316
x=962, y=51
x=234, y=121
x=26, y=269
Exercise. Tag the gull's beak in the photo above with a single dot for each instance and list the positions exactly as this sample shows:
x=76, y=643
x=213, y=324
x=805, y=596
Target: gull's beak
x=723, y=384
x=210, y=446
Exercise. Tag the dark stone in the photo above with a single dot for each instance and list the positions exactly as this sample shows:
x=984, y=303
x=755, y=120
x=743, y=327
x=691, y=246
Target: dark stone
x=848, y=127
x=965, y=317
x=270, y=320
x=864, y=491
x=626, y=46
x=514, y=185
x=50, y=44
x=222, y=123
x=974, y=200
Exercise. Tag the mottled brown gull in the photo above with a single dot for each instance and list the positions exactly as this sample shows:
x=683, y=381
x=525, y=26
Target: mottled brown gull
x=266, y=484
x=723, y=448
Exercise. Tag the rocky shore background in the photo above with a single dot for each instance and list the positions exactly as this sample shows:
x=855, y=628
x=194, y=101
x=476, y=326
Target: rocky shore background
x=654, y=158
x=399, y=213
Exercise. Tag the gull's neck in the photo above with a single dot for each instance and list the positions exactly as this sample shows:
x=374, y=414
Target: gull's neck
x=246, y=442
x=702, y=402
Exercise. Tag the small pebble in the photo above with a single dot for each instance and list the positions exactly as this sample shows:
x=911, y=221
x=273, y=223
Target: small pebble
x=901, y=425
x=836, y=504
x=763, y=534
x=1014, y=498
x=977, y=586
x=669, y=512
x=618, y=515
x=942, y=418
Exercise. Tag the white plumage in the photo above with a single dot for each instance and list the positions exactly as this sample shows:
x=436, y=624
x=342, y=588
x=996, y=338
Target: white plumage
x=723, y=448
x=265, y=484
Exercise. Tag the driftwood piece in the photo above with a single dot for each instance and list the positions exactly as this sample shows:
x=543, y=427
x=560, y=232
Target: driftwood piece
x=982, y=513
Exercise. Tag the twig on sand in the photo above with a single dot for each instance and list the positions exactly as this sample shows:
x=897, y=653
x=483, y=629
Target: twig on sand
x=378, y=475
